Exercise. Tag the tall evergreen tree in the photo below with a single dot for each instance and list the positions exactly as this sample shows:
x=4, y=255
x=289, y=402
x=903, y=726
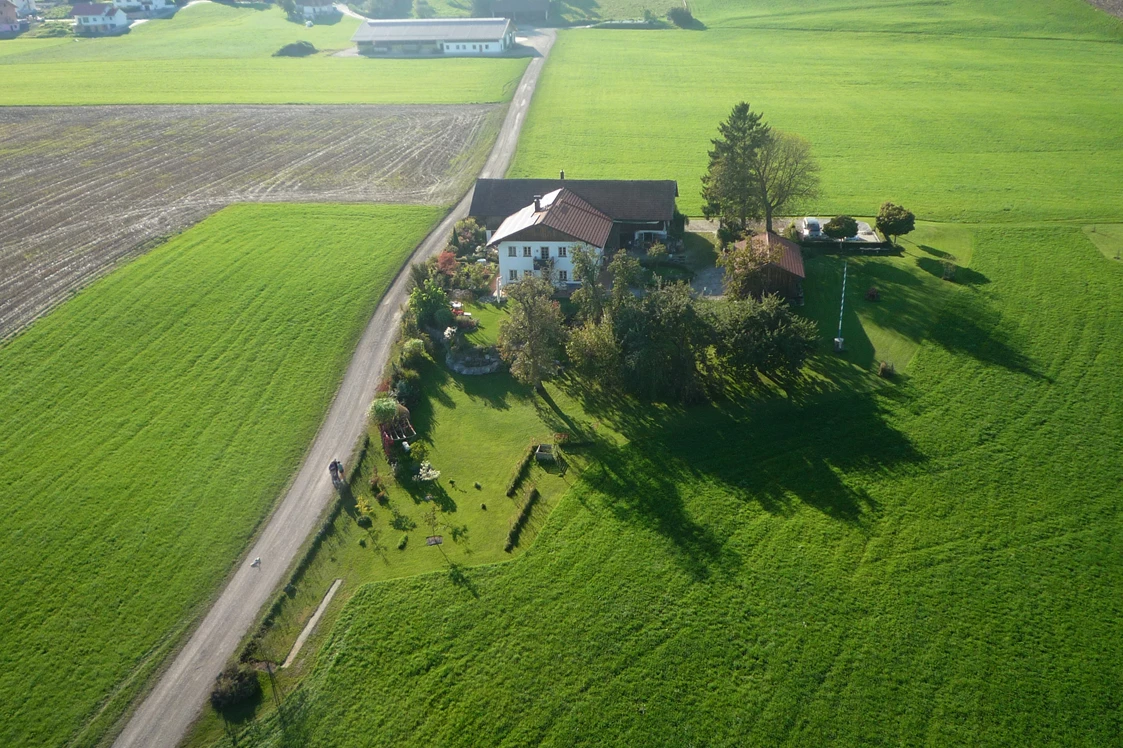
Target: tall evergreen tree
x=728, y=187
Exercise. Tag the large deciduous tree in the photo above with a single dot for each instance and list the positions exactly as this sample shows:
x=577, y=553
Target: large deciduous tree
x=589, y=298
x=728, y=187
x=783, y=174
x=532, y=337
x=894, y=221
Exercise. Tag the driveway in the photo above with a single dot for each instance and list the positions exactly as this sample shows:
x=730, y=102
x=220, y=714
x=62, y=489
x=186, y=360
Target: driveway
x=166, y=713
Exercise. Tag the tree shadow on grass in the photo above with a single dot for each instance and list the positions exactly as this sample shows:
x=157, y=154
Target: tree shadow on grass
x=969, y=324
x=963, y=276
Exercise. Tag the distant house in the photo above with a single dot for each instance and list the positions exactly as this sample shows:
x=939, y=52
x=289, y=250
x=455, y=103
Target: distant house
x=641, y=210
x=143, y=5
x=539, y=239
x=26, y=8
x=784, y=274
x=435, y=36
x=521, y=11
x=9, y=17
x=99, y=18
x=315, y=8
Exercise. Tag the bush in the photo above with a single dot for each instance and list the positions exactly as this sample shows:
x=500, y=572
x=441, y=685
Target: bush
x=406, y=374
x=406, y=393
x=364, y=521
x=402, y=542
x=841, y=227
x=413, y=351
x=383, y=411
x=418, y=452
x=681, y=17
x=521, y=469
x=657, y=251
x=296, y=49
x=886, y=370
x=873, y=294
x=235, y=685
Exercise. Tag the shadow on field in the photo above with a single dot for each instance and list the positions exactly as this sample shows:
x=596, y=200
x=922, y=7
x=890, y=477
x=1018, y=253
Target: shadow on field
x=969, y=324
x=963, y=276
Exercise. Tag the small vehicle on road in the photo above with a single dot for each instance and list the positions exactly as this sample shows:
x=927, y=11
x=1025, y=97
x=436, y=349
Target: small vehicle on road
x=336, y=470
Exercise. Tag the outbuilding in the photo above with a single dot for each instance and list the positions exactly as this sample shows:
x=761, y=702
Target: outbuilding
x=435, y=36
x=310, y=9
x=99, y=18
x=783, y=273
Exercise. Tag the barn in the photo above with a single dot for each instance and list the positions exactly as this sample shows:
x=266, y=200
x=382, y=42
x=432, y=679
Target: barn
x=784, y=273
x=463, y=37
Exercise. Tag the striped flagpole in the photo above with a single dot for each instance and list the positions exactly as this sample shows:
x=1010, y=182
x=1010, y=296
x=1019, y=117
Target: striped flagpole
x=842, y=303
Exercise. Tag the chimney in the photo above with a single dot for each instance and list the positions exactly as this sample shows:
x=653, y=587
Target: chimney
x=563, y=175
x=537, y=203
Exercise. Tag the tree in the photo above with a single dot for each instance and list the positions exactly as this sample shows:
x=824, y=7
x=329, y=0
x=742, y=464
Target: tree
x=589, y=298
x=531, y=339
x=657, y=251
x=446, y=263
x=681, y=17
x=234, y=685
x=894, y=221
x=728, y=187
x=626, y=272
x=467, y=235
x=383, y=411
x=841, y=227
x=429, y=303
x=422, y=9
x=783, y=174
x=760, y=337
x=744, y=269
x=595, y=354
x=660, y=338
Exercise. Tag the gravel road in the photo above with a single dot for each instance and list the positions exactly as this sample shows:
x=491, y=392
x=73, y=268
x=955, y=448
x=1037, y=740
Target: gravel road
x=166, y=713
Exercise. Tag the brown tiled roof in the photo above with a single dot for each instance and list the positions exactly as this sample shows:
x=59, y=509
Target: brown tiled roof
x=619, y=199
x=562, y=211
x=786, y=253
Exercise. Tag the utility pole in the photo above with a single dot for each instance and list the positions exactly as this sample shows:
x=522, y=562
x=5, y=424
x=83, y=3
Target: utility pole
x=838, y=341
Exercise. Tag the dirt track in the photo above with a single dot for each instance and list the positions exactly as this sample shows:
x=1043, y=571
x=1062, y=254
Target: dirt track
x=1114, y=7
x=82, y=188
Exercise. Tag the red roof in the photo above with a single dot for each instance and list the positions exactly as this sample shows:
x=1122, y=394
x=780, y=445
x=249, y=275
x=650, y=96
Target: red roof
x=562, y=211
x=785, y=253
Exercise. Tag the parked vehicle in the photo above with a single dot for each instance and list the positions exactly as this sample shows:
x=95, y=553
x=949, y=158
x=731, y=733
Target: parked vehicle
x=812, y=229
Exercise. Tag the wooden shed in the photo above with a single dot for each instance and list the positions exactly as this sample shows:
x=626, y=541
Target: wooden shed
x=784, y=273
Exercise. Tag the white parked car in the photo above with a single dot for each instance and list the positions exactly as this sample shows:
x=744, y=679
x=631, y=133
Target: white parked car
x=812, y=229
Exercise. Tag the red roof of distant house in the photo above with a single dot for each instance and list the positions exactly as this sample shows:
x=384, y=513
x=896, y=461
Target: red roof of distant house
x=786, y=253
x=562, y=211
x=92, y=9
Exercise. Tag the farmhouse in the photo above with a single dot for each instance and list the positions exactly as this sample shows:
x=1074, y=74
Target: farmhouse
x=99, y=18
x=783, y=274
x=315, y=8
x=641, y=210
x=435, y=36
x=9, y=19
x=540, y=238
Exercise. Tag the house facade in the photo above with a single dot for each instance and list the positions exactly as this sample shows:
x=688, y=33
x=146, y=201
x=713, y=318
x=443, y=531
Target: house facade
x=143, y=5
x=455, y=37
x=310, y=9
x=642, y=211
x=541, y=237
x=99, y=18
x=9, y=17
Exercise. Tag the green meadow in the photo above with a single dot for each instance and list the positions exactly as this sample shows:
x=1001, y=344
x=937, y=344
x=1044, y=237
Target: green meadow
x=963, y=111
x=217, y=54
x=149, y=425
x=930, y=559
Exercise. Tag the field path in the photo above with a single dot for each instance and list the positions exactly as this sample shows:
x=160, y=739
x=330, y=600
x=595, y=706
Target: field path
x=165, y=715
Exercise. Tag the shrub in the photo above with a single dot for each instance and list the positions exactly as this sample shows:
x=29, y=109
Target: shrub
x=418, y=452
x=364, y=521
x=657, y=251
x=402, y=542
x=234, y=685
x=382, y=498
x=296, y=49
x=873, y=294
x=383, y=411
x=406, y=374
x=949, y=270
x=681, y=17
x=886, y=370
x=841, y=227
x=521, y=469
x=520, y=518
x=413, y=351
x=406, y=392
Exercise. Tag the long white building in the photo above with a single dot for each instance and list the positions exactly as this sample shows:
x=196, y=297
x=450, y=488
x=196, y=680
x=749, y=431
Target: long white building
x=465, y=37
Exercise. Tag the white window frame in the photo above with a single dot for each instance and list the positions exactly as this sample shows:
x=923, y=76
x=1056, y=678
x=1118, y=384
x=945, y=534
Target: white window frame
x=563, y=251
x=512, y=251
x=526, y=252
x=513, y=275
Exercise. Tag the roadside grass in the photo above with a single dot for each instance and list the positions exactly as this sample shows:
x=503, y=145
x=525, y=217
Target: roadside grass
x=149, y=425
x=1108, y=238
x=217, y=54
x=933, y=559
x=956, y=127
x=476, y=429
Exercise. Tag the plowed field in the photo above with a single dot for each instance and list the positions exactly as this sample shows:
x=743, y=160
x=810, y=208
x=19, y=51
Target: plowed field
x=83, y=188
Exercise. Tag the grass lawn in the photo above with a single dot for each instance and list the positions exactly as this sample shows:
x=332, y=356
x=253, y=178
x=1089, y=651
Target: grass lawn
x=150, y=424
x=933, y=559
x=1108, y=238
x=476, y=429
x=212, y=53
x=999, y=115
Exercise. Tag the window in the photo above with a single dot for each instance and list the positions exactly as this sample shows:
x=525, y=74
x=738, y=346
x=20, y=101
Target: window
x=563, y=275
x=563, y=252
x=512, y=252
x=526, y=251
x=527, y=273
x=513, y=275
x=545, y=252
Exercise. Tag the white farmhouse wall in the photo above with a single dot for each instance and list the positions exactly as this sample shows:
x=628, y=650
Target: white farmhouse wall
x=522, y=265
x=469, y=49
